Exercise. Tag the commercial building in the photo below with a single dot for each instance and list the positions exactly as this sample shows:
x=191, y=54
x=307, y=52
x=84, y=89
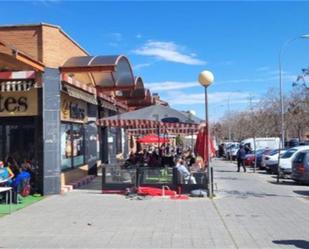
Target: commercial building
x=52, y=91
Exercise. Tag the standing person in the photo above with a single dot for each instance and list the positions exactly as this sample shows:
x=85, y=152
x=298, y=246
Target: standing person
x=241, y=155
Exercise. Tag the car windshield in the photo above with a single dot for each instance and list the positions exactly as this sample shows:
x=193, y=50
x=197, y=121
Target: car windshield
x=288, y=153
x=274, y=152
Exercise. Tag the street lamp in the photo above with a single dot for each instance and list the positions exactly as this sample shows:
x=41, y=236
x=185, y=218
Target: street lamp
x=206, y=78
x=190, y=116
x=283, y=47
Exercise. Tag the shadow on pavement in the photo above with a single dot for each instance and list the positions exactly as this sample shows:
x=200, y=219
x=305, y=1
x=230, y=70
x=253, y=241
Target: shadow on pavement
x=227, y=178
x=247, y=194
x=284, y=182
x=302, y=192
x=226, y=171
x=262, y=172
x=297, y=243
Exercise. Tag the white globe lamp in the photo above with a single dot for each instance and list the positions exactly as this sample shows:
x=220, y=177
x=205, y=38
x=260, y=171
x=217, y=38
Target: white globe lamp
x=206, y=78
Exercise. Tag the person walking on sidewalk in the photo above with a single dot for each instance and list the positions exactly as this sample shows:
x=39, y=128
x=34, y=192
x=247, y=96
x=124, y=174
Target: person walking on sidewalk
x=241, y=155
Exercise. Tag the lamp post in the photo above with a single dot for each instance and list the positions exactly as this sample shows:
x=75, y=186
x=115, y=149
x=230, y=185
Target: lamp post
x=156, y=116
x=190, y=115
x=229, y=116
x=205, y=79
x=283, y=47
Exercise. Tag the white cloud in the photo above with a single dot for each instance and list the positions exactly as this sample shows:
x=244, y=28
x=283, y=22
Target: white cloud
x=269, y=79
x=181, y=98
x=138, y=36
x=168, y=51
x=171, y=85
x=142, y=65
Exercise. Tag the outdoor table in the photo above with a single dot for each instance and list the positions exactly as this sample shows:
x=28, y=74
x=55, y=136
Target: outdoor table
x=7, y=190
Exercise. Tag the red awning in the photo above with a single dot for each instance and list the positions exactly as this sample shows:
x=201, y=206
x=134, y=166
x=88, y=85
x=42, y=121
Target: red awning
x=152, y=139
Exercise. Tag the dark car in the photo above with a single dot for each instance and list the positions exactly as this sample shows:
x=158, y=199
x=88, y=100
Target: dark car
x=300, y=167
x=259, y=157
x=250, y=157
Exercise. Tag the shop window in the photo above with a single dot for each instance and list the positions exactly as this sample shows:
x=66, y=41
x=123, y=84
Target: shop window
x=78, y=145
x=66, y=146
x=72, y=146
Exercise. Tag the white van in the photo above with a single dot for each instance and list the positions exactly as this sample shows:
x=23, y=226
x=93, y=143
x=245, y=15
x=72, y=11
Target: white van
x=262, y=142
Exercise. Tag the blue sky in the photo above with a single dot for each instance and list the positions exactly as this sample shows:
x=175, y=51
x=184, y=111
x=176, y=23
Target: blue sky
x=169, y=43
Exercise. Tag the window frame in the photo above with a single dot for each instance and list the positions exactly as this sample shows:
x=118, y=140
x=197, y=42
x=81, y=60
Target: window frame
x=72, y=166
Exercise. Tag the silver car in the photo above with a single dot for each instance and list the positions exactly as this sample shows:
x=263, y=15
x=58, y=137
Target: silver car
x=300, y=167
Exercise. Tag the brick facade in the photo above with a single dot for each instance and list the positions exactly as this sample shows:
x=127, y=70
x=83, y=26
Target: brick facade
x=43, y=42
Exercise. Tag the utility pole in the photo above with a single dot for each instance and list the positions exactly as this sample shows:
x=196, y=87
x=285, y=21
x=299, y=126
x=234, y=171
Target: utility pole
x=229, y=115
x=254, y=131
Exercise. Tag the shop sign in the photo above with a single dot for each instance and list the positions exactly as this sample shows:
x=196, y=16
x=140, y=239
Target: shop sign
x=73, y=109
x=18, y=103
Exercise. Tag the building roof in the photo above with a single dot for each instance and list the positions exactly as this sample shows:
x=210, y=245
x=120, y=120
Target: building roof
x=47, y=25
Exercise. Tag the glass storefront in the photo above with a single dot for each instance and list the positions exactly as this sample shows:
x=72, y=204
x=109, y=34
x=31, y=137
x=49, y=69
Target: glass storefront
x=72, y=145
x=17, y=141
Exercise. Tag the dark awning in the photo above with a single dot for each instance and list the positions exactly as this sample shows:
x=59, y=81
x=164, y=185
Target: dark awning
x=79, y=94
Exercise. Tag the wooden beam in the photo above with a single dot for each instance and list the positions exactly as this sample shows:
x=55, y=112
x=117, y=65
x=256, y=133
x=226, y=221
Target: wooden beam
x=38, y=66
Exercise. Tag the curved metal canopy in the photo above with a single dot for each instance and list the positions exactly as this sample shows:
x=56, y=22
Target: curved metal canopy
x=139, y=92
x=146, y=101
x=107, y=72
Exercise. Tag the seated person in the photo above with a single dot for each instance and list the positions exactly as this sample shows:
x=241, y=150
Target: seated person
x=26, y=166
x=12, y=164
x=184, y=172
x=198, y=166
x=5, y=174
x=21, y=182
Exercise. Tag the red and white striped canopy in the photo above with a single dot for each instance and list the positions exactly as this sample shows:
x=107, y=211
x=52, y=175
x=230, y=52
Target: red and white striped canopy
x=140, y=126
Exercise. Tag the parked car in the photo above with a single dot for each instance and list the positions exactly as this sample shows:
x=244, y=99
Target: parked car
x=271, y=161
x=259, y=157
x=249, y=160
x=296, y=142
x=285, y=165
x=300, y=167
x=250, y=157
x=231, y=151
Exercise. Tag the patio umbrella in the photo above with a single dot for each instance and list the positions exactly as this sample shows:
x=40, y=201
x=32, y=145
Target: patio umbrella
x=200, y=144
x=152, y=139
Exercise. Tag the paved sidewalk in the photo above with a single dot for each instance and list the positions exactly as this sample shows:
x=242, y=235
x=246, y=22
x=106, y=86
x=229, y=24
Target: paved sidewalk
x=249, y=212
x=260, y=213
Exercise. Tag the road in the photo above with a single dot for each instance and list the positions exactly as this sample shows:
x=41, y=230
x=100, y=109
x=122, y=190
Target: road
x=249, y=211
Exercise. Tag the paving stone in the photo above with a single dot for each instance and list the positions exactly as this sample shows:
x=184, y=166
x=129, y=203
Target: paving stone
x=249, y=211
